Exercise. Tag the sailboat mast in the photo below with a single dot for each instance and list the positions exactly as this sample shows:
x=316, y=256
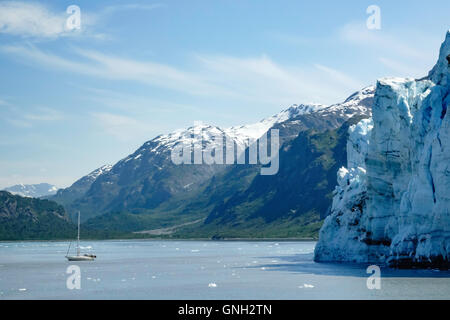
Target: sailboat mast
x=78, y=238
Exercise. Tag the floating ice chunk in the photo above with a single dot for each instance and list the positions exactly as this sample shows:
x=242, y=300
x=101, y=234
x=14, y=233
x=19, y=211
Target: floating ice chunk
x=212, y=285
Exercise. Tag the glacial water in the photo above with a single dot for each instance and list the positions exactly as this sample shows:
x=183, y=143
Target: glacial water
x=201, y=270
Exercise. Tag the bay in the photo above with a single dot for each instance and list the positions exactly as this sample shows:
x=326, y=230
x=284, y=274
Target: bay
x=130, y=269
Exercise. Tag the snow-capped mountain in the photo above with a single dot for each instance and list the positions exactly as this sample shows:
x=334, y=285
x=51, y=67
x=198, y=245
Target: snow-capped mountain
x=79, y=187
x=241, y=135
x=33, y=190
x=252, y=132
x=392, y=202
x=313, y=150
x=91, y=177
x=148, y=179
x=358, y=103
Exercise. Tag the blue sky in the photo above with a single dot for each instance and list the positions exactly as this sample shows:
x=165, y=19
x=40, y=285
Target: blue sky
x=73, y=100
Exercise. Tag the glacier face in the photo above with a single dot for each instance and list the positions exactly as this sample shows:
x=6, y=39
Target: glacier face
x=392, y=203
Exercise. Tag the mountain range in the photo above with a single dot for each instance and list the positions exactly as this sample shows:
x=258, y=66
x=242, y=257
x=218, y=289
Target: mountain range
x=147, y=191
x=371, y=173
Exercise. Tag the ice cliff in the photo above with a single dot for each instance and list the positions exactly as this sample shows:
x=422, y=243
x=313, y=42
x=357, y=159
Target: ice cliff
x=392, y=203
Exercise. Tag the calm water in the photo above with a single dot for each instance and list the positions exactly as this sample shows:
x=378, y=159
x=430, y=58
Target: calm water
x=201, y=270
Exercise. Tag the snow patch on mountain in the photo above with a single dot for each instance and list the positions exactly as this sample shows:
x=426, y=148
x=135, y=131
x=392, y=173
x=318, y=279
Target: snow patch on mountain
x=358, y=103
x=98, y=172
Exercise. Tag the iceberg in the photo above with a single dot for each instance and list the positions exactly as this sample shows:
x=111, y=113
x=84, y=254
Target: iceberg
x=392, y=202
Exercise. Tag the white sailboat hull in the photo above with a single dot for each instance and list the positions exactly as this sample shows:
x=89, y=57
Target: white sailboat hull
x=80, y=258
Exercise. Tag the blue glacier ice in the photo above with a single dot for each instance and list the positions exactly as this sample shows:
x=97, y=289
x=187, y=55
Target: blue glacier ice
x=392, y=202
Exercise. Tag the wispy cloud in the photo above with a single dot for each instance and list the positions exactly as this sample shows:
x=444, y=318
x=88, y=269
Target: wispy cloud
x=19, y=123
x=120, y=101
x=123, y=128
x=340, y=77
x=262, y=79
x=359, y=34
x=3, y=103
x=21, y=119
x=131, y=6
x=44, y=114
x=402, y=51
x=401, y=69
x=252, y=79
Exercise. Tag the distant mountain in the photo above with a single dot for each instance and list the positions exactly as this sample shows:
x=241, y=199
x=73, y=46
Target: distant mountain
x=23, y=218
x=33, y=190
x=146, y=190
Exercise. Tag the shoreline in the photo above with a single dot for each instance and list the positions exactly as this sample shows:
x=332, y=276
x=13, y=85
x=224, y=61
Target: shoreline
x=172, y=239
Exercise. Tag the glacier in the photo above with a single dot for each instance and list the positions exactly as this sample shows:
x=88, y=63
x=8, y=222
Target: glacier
x=392, y=202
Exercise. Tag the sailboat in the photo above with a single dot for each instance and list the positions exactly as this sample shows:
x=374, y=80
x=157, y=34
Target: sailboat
x=79, y=257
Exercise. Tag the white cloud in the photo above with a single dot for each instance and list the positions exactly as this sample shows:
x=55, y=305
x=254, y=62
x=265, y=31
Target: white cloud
x=31, y=19
x=35, y=20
